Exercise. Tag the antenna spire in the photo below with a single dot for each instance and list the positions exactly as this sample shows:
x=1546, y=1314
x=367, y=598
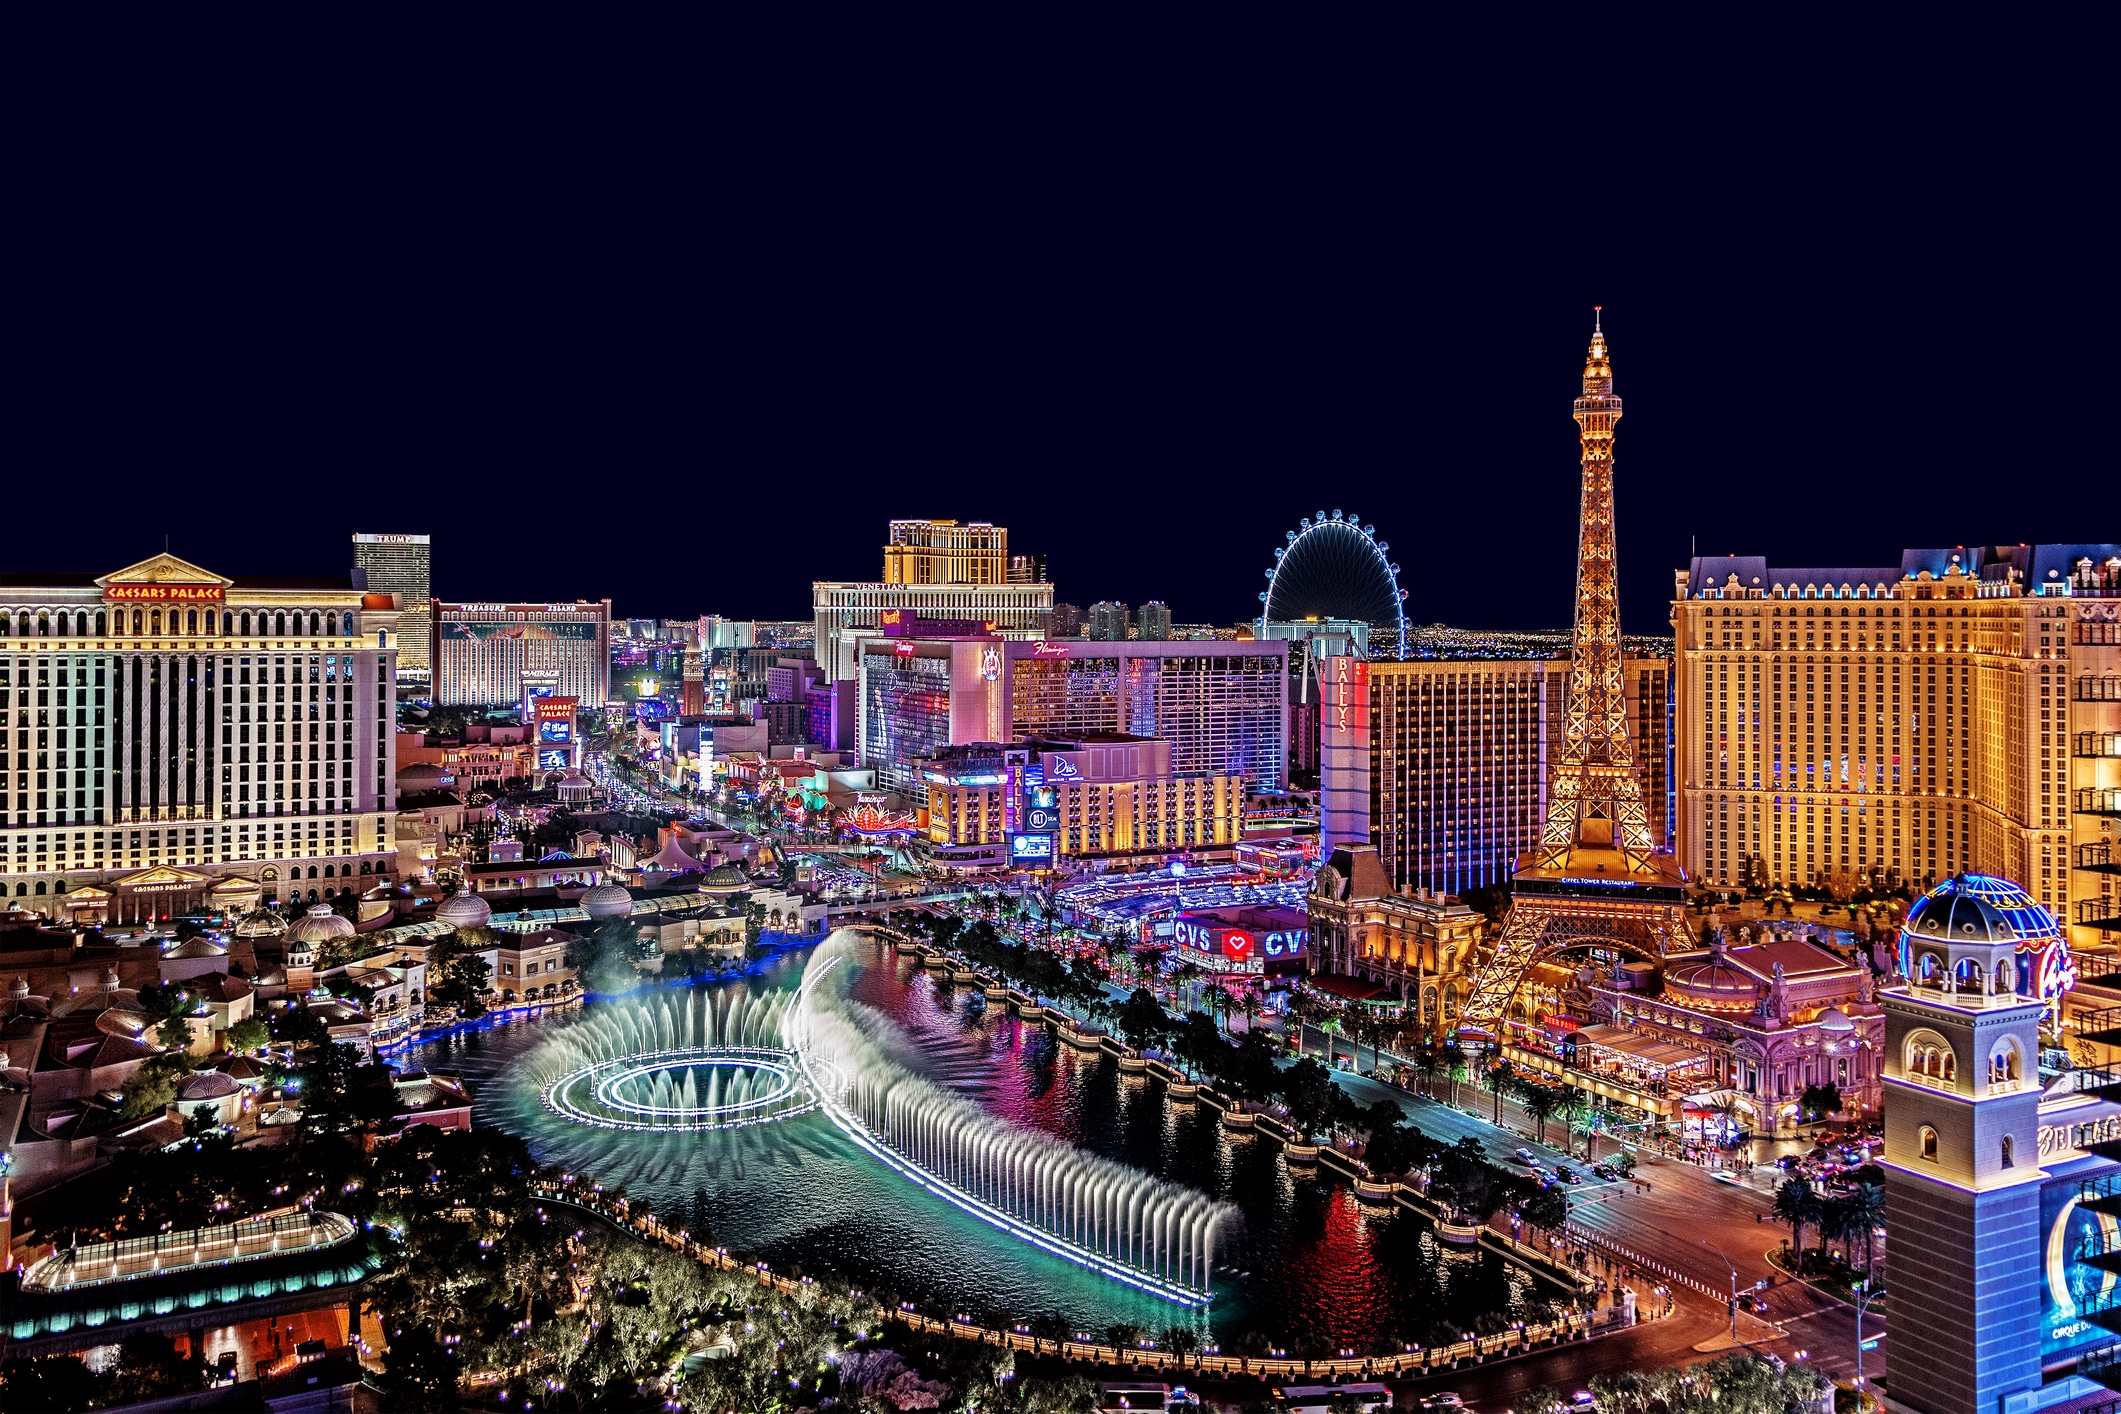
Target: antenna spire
x=1597, y=319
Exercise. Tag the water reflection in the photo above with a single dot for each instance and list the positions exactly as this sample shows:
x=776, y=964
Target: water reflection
x=1307, y=1265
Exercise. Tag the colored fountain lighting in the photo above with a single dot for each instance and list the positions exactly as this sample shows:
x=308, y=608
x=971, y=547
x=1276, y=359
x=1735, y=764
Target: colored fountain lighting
x=1106, y=1217
x=691, y=1089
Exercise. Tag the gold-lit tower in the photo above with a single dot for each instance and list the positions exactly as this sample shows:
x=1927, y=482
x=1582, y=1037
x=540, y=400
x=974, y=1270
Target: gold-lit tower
x=1596, y=876
x=1595, y=797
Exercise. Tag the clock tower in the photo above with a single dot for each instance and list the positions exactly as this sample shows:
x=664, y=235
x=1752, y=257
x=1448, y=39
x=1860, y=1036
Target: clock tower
x=1962, y=1101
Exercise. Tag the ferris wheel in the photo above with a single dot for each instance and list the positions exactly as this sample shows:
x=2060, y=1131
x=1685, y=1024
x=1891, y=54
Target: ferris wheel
x=1335, y=567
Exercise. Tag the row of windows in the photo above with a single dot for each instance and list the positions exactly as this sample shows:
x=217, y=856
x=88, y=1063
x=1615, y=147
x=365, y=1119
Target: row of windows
x=181, y=623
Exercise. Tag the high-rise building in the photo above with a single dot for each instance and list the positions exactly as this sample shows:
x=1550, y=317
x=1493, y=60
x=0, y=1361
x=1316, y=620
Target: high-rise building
x=401, y=565
x=1154, y=622
x=848, y=613
x=1222, y=706
x=947, y=552
x=1109, y=621
x=1067, y=621
x=1461, y=752
x=1028, y=569
x=172, y=769
x=497, y=655
x=1959, y=711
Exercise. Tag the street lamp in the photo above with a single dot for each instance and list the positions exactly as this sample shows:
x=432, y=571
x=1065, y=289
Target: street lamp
x=1865, y=1294
x=1734, y=1285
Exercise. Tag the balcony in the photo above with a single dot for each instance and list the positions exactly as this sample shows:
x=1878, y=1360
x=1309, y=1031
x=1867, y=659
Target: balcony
x=2096, y=858
x=2098, y=913
x=2099, y=689
x=2097, y=800
x=2096, y=744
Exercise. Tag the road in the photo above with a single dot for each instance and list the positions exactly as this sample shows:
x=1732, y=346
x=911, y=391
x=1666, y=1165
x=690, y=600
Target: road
x=1683, y=1219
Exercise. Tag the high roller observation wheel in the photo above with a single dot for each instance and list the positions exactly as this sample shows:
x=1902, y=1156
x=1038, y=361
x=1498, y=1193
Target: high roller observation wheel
x=1328, y=546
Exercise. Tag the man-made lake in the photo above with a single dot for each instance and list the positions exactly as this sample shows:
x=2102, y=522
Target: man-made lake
x=1307, y=1265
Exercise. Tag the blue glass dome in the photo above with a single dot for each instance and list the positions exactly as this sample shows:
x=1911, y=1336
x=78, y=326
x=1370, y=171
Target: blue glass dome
x=1980, y=909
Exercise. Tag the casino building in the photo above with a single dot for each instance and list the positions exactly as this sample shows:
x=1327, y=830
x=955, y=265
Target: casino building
x=179, y=739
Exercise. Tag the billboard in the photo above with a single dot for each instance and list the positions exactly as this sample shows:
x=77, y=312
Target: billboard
x=1232, y=948
x=1041, y=809
x=1344, y=694
x=551, y=759
x=1031, y=848
x=555, y=717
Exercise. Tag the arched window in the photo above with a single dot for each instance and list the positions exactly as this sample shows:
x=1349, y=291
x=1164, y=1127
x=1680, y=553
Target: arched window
x=136, y=623
x=2006, y=1151
x=1969, y=973
x=1926, y=968
x=279, y=625
x=24, y=621
x=191, y=623
x=44, y=630
x=40, y=886
x=1928, y=1138
x=314, y=629
x=101, y=623
x=346, y=626
x=228, y=624
x=2004, y=1066
x=328, y=871
x=154, y=620
x=246, y=623
x=312, y=871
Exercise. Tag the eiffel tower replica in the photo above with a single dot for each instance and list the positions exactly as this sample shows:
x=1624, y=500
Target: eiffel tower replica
x=1597, y=879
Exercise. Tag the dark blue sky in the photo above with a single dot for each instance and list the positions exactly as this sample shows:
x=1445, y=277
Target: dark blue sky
x=688, y=330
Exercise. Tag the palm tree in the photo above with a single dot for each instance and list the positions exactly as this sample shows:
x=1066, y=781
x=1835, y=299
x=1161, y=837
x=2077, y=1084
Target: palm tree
x=1567, y=1106
x=1797, y=1205
x=1541, y=1102
x=1500, y=1077
x=1457, y=1068
x=1426, y=1064
x=1866, y=1206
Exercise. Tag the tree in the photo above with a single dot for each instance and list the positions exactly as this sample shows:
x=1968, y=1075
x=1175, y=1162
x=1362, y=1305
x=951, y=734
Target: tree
x=1796, y=1205
x=419, y=1371
x=606, y=958
x=1141, y=1019
x=1568, y=1105
x=1548, y=1208
x=1819, y=1101
x=1540, y=1102
x=149, y=1367
x=248, y=1035
x=1866, y=1206
x=1307, y=1089
x=1499, y=1078
x=153, y=1087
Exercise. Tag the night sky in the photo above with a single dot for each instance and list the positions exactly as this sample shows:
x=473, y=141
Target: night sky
x=687, y=335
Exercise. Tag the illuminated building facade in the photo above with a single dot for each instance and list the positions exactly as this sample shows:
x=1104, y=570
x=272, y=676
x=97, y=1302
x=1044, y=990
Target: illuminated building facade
x=1222, y=706
x=1417, y=944
x=172, y=727
x=847, y=613
x=1460, y=753
x=947, y=552
x=1960, y=711
x=1099, y=795
x=401, y=565
x=492, y=655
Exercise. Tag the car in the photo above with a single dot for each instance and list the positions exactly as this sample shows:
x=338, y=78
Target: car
x=1605, y=1172
x=1568, y=1175
x=1582, y=1399
x=1755, y=1304
x=1443, y=1399
x=1526, y=1156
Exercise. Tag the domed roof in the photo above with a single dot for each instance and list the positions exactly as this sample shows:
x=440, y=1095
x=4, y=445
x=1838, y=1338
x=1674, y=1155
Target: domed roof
x=260, y=923
x=465, y=910
x=197, y=947
x=206, y=1085
x=1714, y=982
x=607, y=901
x=1981, y=909
x=319, y=925
x=724, y=878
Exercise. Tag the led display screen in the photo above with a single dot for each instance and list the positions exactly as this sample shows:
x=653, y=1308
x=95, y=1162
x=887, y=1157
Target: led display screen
x=1031, y=846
